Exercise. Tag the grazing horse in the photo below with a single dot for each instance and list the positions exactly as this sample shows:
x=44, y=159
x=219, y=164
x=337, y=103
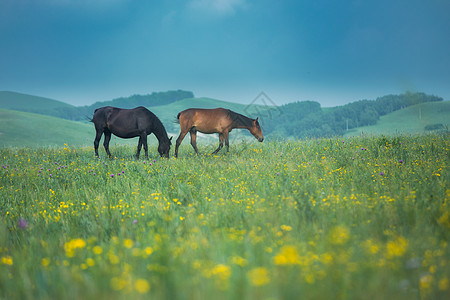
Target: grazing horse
x=129, y=123
x=218, y=120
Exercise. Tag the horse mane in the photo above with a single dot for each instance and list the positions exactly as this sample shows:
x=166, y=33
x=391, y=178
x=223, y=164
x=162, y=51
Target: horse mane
x=159, y=127
x=239, y=119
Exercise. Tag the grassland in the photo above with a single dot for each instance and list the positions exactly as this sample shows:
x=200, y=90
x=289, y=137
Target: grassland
x=359, y=218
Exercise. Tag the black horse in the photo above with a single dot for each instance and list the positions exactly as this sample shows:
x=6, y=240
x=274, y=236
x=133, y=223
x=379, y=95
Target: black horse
x=129, y=123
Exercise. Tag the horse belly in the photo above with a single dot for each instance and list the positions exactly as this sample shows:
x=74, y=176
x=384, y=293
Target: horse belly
x=208, y=130
x=124, y=133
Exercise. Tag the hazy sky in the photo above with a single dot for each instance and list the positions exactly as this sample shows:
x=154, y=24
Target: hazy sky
x=333, y=52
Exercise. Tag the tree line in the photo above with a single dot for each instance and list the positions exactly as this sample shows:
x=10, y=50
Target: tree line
x=84, y=112
x=309, y=119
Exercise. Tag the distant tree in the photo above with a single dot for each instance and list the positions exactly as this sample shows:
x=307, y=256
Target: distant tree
x=308, y=119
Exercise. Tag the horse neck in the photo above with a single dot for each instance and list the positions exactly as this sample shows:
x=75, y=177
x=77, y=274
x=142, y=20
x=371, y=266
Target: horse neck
x=242, y=121
x=160, y=132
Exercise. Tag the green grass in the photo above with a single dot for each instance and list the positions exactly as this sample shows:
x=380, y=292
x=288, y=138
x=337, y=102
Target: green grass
x=359, y=218
x=410, y=120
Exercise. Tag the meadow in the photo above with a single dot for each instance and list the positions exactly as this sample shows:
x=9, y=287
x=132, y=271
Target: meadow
x=354, y=218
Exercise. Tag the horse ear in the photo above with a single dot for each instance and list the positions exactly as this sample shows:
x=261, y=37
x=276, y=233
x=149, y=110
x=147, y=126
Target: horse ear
x=256, y=119
x=171, y=138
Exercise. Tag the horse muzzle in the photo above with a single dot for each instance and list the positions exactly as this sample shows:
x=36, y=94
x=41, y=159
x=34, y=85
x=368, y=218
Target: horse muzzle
x=260, y=139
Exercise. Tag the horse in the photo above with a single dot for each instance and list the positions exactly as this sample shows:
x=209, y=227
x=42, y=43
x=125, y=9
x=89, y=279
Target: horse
x=218, y=120
x=129, y=123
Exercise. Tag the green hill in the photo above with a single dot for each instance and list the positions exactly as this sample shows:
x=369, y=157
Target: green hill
x=45, y=106
x=29, y=129
x=22, y=129
x=23, y=102
x=416, y=119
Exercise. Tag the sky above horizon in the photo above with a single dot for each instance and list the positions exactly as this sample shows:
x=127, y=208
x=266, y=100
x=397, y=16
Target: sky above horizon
x=332, y=52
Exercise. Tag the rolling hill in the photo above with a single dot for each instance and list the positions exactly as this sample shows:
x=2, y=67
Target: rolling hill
x=18, y=128
x=45, y=106
x=22, y=129
x=24, y=102
x=26, y=129
x=415, y=119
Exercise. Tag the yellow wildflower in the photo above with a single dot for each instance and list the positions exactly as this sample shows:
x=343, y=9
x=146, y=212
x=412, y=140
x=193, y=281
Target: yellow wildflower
x=237, y=260
x=288, y=255
x=45, y=262
x=443, y=284
x=128, y=243
x=339, y=235
x=223, y=271
x=97, y=250
x=286, y=227
x=396, y=247
x=90, y=262
x=7, y=260
x=142, y=286
x=72, y=245
x=258, y=276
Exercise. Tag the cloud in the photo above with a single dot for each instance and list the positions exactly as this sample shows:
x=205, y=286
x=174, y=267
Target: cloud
x=218, y=7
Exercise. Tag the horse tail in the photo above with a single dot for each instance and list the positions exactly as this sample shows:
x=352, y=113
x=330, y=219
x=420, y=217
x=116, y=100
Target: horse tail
x=177, y=120
x=92, y=119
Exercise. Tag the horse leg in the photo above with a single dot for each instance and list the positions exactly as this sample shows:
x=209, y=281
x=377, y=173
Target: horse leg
x=227, y=142
x=139, y=147
x=179, y=140
x=193, y=132
x=144, y=143
x=106, y=142
x=220, y=143
x=98, y=136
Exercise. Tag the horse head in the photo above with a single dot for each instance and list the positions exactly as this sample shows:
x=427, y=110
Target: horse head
x=255, y=129
x=164, y=148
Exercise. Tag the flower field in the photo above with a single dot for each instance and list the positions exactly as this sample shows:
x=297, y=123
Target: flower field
x=357, y=218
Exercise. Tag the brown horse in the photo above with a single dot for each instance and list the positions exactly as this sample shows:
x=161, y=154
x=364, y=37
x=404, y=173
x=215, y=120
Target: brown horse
x=218, y=120
x=129, y=123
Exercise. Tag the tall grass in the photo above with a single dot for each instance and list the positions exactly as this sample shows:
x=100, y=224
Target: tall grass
x=355, y=218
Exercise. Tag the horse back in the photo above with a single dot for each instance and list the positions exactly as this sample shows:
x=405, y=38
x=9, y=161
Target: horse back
x=205, y=120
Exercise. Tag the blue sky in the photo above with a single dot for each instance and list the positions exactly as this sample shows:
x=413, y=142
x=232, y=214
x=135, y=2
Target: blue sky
x=333, y=52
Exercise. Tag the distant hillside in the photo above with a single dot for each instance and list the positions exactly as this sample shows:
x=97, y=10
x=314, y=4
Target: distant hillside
x=22, y=129
x=308, y=119
x=45, y=106
x=416, y=119
x=29, y=129
x=150, y=100
x=35, y=104
x=405, y=113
